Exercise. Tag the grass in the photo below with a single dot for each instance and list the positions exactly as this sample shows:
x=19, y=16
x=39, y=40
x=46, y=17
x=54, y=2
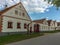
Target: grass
x=55, y=31
x=17, y=37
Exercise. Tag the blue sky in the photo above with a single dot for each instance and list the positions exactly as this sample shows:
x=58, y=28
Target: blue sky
x=52, y=14
x=37, y=9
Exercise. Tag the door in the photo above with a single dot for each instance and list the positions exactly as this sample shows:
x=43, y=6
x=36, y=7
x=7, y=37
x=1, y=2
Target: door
x=36, y=27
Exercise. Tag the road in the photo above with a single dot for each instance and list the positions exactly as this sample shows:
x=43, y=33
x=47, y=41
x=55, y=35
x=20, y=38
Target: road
x=50, y=39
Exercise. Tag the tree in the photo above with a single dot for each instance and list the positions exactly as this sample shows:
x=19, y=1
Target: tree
x=28, y=31
x=55, y=2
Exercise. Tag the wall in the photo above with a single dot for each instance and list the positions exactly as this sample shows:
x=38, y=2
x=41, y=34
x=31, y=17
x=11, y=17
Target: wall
x=21, y=10
x=0, y=23
x=14, y=20
x=43, y=27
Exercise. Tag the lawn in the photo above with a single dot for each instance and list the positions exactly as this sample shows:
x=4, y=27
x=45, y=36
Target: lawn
x=54, y=31
x=17, y=37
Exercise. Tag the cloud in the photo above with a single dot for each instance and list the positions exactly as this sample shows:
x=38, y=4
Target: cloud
x=12, y=2
x=8, y=2
x=38, y=6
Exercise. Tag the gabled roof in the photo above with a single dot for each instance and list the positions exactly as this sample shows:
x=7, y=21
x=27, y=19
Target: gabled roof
x=42, y=20
x=49, y=22
x=7, y=9
x=39, y=21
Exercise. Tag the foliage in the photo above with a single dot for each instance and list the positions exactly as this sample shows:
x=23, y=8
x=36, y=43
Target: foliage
x=55, y=2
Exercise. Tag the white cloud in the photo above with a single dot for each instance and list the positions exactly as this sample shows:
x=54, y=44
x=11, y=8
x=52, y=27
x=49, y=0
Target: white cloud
x=38, y=6
x=8, y=2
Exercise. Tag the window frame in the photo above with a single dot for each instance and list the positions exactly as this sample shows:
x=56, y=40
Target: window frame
x=16, y=12
x=10, y=25
x=25, y=26
x=23, y=14
x=18, y=25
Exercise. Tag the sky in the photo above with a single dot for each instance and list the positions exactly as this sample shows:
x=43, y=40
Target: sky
x=37, y=9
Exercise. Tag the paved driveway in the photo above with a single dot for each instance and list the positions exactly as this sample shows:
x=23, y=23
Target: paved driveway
x=51, y=39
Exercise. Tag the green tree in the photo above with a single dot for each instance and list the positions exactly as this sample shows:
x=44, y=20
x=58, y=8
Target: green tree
x=55, y=2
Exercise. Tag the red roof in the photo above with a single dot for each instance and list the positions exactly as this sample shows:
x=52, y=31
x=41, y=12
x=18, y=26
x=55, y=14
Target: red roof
x=39, y=21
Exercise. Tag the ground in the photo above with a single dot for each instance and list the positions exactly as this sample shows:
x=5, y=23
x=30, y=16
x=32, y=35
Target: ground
x=50, y=39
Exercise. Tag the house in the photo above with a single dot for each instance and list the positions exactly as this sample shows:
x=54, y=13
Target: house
x=14, y=19
x=58, y=23
x=43, y=24
x=52, y=24
x=46, y=25
x=42, y=21
x=58, y=26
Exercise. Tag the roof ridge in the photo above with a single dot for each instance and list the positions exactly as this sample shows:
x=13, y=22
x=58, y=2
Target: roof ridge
x=6, y=9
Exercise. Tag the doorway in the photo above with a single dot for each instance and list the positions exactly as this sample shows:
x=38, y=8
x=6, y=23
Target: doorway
x=36, y=27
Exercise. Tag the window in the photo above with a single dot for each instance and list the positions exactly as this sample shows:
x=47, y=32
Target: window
x=25, y=26
x=10, y=25
x=23, y=14
x=18, y=25
x=16, y=12
x=20, y=6
x=20, y=13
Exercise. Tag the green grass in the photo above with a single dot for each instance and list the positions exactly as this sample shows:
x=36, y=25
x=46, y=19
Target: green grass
x=17, y=37
x=55, y=31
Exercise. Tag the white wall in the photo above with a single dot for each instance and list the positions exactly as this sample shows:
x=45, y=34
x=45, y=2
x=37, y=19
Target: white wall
x=11, y=12
x=44, y=27
x=58, y=28
x=14, y=29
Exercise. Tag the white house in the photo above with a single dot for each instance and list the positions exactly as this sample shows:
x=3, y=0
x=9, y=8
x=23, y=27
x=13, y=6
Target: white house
x=58, y=26
x=43, y=24
x=16, y=19
x=46, y=25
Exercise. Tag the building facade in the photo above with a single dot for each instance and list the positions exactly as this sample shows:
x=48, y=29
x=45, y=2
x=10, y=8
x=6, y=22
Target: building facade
x=16, y=19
